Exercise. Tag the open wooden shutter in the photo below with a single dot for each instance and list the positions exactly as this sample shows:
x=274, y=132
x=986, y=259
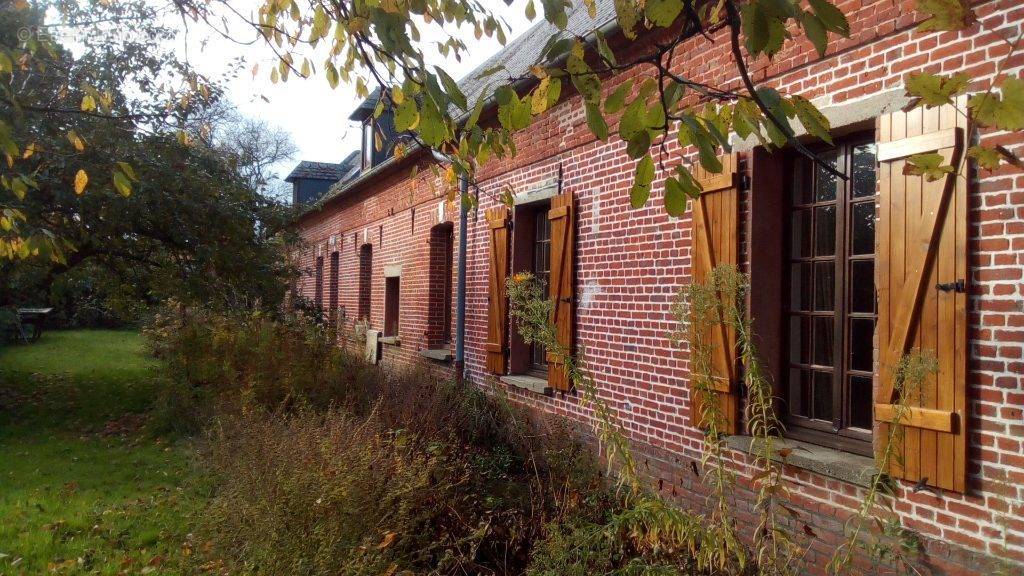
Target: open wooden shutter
x=715, y=242
x=561, y=287
x=497, y=296
x=921, y=276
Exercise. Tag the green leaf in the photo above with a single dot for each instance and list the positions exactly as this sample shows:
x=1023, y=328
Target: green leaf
x=628, y=17
x=521, y=114
x=693, y=133
x=554, y=12
x=332, y=75
x=763, y=32
x=663, y=12
x=604, y=50
x=936, y=90
x=121, y=183
x=639, y=145
x=474, y=116
x=452, y=88
x=813, y=120
x=642, y=179
x=554, y=91
x=816, y=32
x=633, y=120
x=406, y=115
x=431, y=127
x=19, y=188
x=596, y=121
x=930, y=165
x=676, y=199
x=583, y=78
x=531, y=11
x=987, y=158
x=1004, y=111
x=832, y=18
x=617, y=99
x=945, y=15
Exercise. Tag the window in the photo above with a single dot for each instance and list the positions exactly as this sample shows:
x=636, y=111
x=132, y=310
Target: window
x=542, y=270
x=332, y=287
x=439, y=311
x=531, y=252
x=829, y=310
x=391, y=299
x=365, y=280
x=318, y=289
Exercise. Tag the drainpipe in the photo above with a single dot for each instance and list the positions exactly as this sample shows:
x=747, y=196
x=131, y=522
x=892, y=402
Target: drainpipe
x=460, y=298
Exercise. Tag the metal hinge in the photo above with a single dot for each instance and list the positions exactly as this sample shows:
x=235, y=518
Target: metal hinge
x=958, y=286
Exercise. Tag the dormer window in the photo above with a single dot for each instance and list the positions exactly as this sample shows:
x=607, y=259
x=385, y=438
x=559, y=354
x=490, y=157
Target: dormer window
x=378, y=138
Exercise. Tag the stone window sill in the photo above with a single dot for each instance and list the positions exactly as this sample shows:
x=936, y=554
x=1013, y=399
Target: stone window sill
x=851, y=468
x=390, y=340
x=440, y=354
x=531, y=383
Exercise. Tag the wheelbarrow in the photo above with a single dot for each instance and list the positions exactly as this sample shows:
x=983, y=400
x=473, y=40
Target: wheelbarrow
x=32, y=320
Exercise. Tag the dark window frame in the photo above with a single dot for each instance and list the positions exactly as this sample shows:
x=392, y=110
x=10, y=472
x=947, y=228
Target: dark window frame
x=540, y=267
x=838, y=432
x=392, y=305
x=365, y=281
x=526, y=217
x=318, y=287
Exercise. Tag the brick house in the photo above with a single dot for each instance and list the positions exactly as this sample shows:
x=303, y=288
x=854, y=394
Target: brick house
x=841, y=273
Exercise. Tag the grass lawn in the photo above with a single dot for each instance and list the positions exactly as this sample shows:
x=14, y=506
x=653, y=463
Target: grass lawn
x=83, y=489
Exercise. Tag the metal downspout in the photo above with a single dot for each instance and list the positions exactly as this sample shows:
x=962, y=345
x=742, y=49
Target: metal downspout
x=460, y=299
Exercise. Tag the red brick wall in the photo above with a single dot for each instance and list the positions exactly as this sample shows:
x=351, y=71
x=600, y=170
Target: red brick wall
x=631, y=264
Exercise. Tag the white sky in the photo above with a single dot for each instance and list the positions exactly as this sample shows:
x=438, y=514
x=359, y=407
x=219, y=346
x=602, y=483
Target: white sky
x=314, y=114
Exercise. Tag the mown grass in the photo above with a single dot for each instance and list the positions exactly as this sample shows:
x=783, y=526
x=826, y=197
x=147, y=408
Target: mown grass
x=83, y=488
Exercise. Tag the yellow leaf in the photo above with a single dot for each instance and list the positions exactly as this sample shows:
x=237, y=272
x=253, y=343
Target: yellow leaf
x=29, y=151
x=76, y=140
x=81, y=180
x=88, y=103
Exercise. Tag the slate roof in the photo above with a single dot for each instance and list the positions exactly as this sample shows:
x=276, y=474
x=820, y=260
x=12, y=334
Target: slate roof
x=323, y=170
x=515, y=59
x=519, y=55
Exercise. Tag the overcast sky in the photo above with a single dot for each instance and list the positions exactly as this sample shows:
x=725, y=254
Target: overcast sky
x=314, y=114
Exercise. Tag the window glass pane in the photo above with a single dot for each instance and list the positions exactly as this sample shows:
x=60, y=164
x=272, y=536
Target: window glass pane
x=860, y=402
x=799, y=286
x=862, y=286
x=803, y=182
x=823, y=341
x=824, y=286
x=799, y=391
x=864, y=170
x=542, y=270
x=801, y=232
x=825, y=182
x=822, y=396
x=825, y=230
x=862, y=330
x=799, y=339
x=862, y=228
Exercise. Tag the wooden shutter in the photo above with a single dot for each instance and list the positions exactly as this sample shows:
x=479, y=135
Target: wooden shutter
x=715, y=242
x=497, y=296
x=921, y=277
x=561, y=287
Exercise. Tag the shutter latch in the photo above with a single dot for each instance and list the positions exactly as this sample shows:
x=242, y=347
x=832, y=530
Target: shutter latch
x=958, y=286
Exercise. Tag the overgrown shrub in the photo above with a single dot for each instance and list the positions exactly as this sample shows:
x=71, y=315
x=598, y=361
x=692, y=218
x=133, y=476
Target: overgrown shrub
x=327, y=465
x=261, y=361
